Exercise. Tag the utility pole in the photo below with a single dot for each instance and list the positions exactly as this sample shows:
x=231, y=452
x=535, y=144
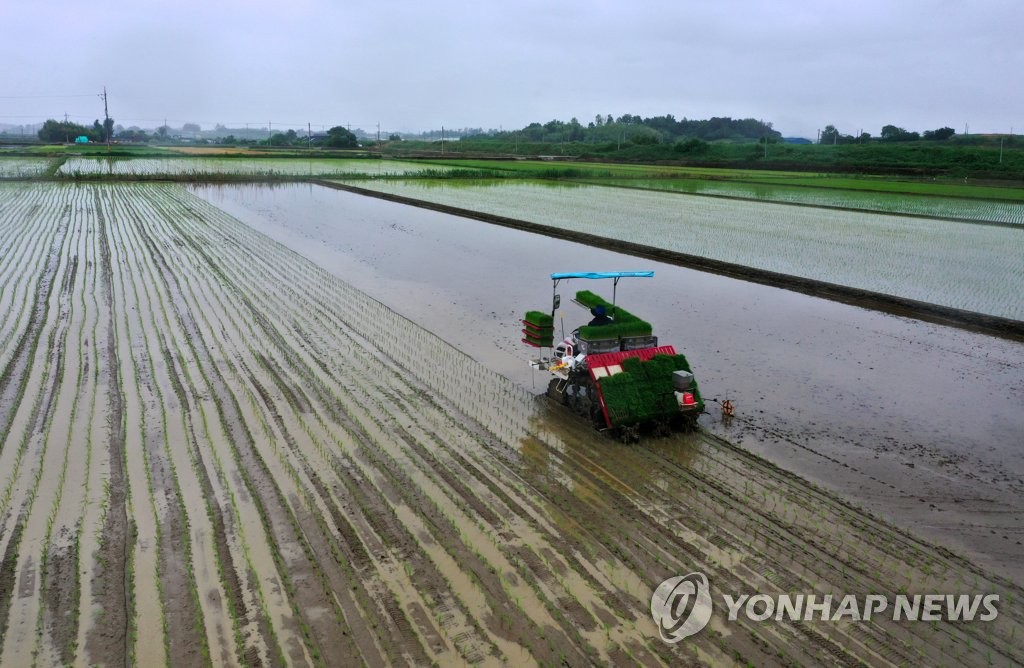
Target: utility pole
x=442, y=140
x=106, y=117
x=1000, y=150
x=270, y=131
x=309, y=134
x=378, y=132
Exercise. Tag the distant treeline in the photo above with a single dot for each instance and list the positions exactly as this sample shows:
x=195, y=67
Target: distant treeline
x=976, y=156
x=636, y=130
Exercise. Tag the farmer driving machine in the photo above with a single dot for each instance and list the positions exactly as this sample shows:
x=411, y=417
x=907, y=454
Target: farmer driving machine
x=612, y=371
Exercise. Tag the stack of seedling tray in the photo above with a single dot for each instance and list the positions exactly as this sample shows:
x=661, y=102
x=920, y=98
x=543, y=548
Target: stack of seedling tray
x=643, y=391
x=538, y=329
x=624, y=324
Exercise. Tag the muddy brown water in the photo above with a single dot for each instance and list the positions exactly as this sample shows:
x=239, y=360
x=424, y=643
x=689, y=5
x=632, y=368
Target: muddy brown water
x=917, y=422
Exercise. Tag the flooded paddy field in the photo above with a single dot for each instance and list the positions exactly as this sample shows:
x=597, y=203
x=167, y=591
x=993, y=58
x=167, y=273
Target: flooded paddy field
x=21, y=168
x=933, y=206
x=216, y=451
x=239, y=166
x=960, y=265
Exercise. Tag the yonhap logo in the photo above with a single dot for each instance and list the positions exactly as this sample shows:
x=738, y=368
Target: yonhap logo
x=681, y=606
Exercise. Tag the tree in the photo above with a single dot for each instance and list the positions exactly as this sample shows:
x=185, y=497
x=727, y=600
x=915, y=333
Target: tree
x=829, y=135
x=691, y=147
x=340, y=137
x=193, y=128
x=60, y=132
x=893, y=133
x=284, y=138
x=940, y=134
x=395, y=137
x=135, y=135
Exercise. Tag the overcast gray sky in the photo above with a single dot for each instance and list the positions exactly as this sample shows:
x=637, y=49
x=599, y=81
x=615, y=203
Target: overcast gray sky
x=801, y=64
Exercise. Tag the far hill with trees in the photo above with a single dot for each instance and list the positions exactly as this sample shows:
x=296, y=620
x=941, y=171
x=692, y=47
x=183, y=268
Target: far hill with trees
x=890, y=133
x=637, y=130
x=741, y=143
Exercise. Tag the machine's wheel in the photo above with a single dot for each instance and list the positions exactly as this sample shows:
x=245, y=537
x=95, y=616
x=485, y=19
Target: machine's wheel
x=689, y=422
x=629, y=433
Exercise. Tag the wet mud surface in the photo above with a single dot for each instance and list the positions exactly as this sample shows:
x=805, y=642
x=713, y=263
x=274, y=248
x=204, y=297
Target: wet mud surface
x=248, y=460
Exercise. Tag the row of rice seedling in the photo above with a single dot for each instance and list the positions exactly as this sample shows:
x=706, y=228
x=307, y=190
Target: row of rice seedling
x=259, y=553
x=32, y=453
x=353, y=489
x=971, y=267
x=199, y=167
x=291, y=300
x=967, y=209
x=285, y=444
x=23, y=168
x=26, y=233
x=185, y=564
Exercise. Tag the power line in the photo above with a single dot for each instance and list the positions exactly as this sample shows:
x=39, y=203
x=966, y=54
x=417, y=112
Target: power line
x=42, y=97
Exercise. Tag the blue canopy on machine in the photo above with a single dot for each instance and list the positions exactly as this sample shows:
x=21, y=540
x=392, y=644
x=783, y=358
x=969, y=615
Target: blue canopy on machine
x=603, y=274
